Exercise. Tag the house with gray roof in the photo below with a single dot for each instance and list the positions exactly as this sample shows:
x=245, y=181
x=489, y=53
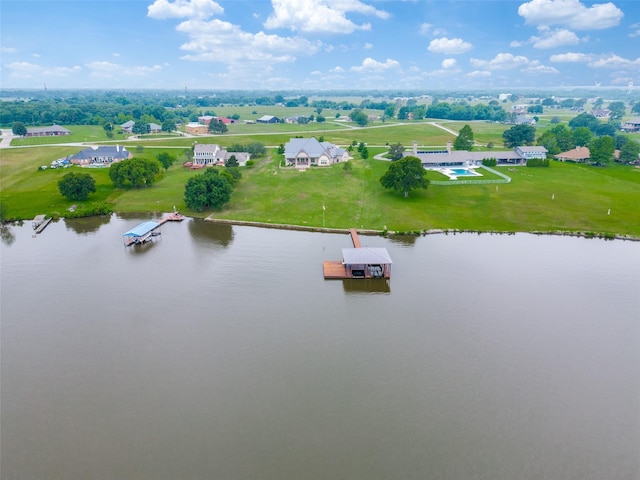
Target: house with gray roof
x=52, y=131
x=464, y=158
x=128, y=126
x=306, y=152
x=267, y=119
x=631, y=125
x=210, y=154
x=100, y=155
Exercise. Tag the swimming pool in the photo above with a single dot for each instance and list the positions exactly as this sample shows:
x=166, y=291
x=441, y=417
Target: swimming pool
x=464, y=172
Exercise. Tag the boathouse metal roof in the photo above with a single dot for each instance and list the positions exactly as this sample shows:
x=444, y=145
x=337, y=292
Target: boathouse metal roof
x=366, y=256
x=142, y=229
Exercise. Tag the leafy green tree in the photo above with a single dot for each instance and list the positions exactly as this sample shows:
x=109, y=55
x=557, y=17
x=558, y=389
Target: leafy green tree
x=464, y=140
x=232, y=161
x=364, y=153
x=77, y=186
x=359, y=117
x=564, y=137
x=256, y=149
x=636, y=108
x=217, y=126
x=582, y=136
x=207, y=190
x=605, y=129
x=135, y=172
x=617, y=110
x=405, y=175
x=519, y=135
x=548, y=140
x=140, y=128
x=630, y=151
x=166, y=159
x=18, y=128
x=584, y=120
x=602, y=149
x=281, y=149
x=169, y=124
x=390, y=111
x=396, y=151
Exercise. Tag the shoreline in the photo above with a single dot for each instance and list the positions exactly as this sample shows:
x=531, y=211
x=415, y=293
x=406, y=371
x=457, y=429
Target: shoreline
x=416, y=233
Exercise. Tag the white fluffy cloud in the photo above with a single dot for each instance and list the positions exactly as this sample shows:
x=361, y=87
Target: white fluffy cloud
x=448, y=46
x=570, y=57
x=555, y=38
x=162, y=9
x=502, y=61
x=615, y=61
x=448, y=63
x=220, y=41
x=571, y=13
x=320, y=16
x=371, y=65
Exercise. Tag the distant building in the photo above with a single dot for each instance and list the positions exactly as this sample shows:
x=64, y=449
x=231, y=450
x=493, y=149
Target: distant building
x=631, y=125
x=578, y=154
x=100, y=155
x=127, y=127
x=205, y=119
x=52, y=131
x=267, y=119
x=195, y=128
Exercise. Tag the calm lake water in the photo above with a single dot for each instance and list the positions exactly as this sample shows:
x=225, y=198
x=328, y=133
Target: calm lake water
x=220, y=352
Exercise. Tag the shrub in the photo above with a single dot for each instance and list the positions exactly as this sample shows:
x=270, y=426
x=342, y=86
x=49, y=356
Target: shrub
x=538, y=162
x=489, y=162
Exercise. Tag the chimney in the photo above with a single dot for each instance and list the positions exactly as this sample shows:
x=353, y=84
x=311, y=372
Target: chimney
x=449, y=147
x=415, y=148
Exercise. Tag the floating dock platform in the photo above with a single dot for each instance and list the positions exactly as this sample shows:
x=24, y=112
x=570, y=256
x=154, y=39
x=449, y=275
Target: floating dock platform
x=40, y=222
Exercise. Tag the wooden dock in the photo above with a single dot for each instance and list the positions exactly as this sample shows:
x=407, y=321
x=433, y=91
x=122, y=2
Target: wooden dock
x=359, y=262
x=354, y=238
x=171, y=217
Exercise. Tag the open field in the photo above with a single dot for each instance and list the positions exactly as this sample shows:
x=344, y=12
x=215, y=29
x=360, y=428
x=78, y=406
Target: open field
x=564, y=197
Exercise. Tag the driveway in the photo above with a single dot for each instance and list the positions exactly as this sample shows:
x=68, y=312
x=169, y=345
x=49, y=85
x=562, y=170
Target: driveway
x=5, y=140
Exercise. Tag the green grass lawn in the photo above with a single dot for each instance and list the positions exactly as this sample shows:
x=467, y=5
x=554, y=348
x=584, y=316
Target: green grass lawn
x=564, y=197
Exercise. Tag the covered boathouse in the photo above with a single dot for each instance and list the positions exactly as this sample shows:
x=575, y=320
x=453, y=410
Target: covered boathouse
x=359, y=262
x=141, y=234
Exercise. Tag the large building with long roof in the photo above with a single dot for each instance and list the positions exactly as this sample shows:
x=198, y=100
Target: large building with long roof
x=465, y=158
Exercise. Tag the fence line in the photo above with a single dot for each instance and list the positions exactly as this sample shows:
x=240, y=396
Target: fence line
x=504, y=179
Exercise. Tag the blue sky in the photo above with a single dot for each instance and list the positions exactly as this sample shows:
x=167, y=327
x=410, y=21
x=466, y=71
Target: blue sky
x=318, y=44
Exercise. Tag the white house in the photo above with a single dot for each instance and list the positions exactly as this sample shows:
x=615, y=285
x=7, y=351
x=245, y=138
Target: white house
x=305, y=152
x=210, y=154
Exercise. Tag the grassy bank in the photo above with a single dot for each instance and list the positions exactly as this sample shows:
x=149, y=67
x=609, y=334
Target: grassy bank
x=564, y=197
